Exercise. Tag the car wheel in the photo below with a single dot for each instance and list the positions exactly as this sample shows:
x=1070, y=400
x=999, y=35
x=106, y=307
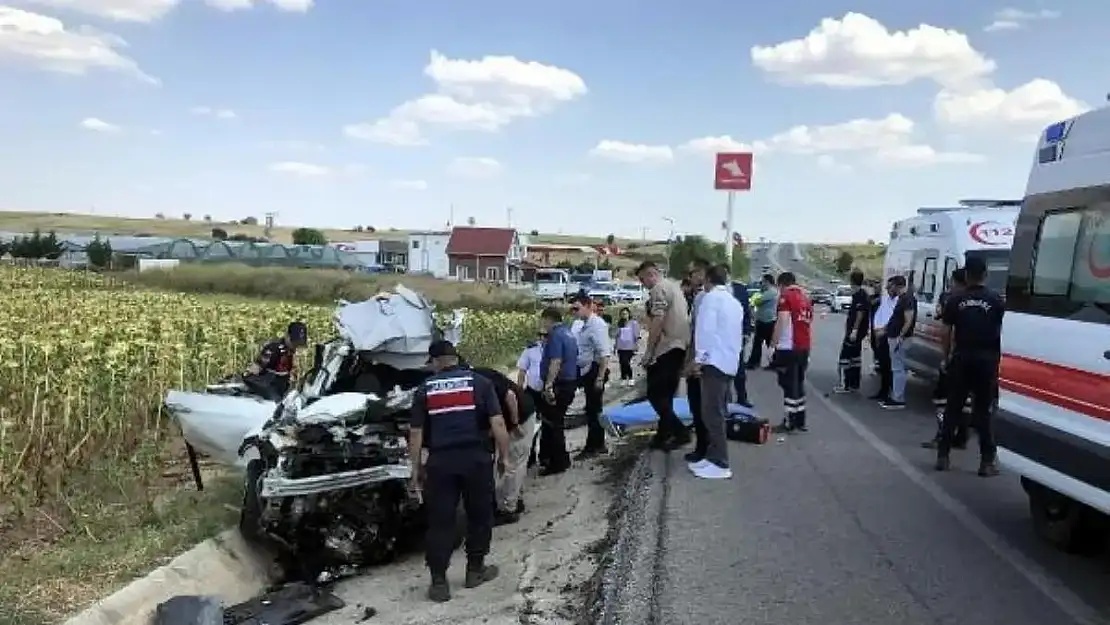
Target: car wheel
x=1065, y=523
x=250, y=513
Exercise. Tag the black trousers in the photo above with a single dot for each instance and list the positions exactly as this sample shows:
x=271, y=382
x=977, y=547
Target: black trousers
x=976, y=374
x=881, y=350
x=451, y=475
x=624, y=356
x=662, y=384
x=851, y=363
x=940, y=403
x=762, y=338
x=701, y=434
x=791, y=365
x=553, y=438
x=595, y=433
x=740, y=384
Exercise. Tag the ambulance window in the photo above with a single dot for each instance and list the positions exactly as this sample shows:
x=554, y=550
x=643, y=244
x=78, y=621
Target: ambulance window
x=1055, y=253
x=928, y=280
x=1090, y=275
x=949, y=266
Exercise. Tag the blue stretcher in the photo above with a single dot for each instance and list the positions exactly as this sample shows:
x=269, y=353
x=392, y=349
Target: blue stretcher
x=638, y=416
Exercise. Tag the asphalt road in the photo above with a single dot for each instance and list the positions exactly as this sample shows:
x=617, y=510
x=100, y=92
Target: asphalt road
x=849, y=524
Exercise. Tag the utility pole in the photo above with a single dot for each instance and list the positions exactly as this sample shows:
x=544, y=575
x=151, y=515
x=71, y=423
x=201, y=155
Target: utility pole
x=271, y=217
x=670, y=241
x=643, y=234
x=509, y=215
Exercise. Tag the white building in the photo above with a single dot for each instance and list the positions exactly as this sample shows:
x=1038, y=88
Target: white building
x=428, y=253
x=368, y=253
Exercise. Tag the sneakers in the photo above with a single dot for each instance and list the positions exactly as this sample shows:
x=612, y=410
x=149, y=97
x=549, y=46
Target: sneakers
x=890, y=404
x=504, y=517
x=478, y=575
x=710, y=471
x=840, y=389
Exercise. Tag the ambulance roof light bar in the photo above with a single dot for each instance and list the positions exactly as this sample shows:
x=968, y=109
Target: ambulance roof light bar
x=965, y=204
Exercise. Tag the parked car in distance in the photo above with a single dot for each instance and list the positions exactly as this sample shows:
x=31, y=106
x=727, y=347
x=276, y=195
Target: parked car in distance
x=819, y=295
x=631, y=292
x=604, y=292
x=842, y=301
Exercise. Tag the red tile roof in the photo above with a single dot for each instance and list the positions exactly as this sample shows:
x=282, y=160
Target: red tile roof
x=469, y=241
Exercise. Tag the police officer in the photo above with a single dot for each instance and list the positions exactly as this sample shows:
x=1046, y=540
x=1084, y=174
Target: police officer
x=975, y=345
x=453, y=413
x=271, y=371
x=851, y=349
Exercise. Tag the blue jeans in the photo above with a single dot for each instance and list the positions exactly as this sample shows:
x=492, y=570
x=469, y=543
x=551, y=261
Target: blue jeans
x=898, y=369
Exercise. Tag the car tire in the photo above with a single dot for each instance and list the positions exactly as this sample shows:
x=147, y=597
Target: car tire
x=1065, y=523
x=250, y=513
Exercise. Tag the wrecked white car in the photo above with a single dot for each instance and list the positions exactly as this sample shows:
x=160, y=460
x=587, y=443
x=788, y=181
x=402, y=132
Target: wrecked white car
x=327, y=467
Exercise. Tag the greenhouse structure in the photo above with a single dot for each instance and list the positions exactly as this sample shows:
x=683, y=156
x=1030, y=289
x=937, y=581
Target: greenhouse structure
x=205, y=251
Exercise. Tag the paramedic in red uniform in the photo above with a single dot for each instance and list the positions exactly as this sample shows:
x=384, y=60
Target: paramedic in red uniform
x=791, y=339
x=975, y=344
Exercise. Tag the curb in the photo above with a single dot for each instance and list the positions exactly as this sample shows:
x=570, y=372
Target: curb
x=225, y=567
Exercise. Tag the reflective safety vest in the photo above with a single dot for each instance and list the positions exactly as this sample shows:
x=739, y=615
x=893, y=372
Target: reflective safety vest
x=452, y=421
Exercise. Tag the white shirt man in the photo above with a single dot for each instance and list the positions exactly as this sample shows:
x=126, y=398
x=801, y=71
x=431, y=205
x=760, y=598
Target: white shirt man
x=718, y=346
x=528, y=368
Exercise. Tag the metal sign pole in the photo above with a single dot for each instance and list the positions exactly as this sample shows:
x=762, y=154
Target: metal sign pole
x=729, y=228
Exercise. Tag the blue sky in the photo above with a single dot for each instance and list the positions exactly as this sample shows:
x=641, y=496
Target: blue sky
x=584, y=117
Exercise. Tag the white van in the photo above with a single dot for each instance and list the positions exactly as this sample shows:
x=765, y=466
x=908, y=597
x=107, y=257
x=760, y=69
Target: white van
x=929, y=246
x=1053, y=426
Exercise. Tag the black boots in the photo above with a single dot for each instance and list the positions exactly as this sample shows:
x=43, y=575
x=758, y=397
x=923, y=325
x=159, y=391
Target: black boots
x=440, y=590
x=478, y=573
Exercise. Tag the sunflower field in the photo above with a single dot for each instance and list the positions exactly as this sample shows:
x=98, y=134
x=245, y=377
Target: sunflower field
x=85, y=363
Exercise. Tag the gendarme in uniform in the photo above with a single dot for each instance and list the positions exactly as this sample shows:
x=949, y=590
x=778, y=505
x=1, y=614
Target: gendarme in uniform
x=453, y=413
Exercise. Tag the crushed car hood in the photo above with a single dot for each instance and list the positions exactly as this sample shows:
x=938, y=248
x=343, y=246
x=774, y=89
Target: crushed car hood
x=217, y=424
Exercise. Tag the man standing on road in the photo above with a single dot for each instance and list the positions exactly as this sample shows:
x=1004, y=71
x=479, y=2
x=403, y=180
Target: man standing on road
x=740, y=380
x=594, y=351
x=851, y=351
x=718, y=352
x=453, y=414
x=975, y=316
x=898, y=333
x=665, y=353
x=765, y=313
x=792, y=341
x=559, y=368
x=880, y=348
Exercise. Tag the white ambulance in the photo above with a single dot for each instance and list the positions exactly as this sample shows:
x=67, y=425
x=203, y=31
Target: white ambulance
x=1053, y=426
x=929, y=246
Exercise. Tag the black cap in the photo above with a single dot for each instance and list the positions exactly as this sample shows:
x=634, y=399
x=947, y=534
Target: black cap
x=439, y=349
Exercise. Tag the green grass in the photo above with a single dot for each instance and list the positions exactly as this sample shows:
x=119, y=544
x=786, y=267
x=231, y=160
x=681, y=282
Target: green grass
x=867, y=257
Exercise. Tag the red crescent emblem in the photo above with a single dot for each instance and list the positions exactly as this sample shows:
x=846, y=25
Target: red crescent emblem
x=1099, y=272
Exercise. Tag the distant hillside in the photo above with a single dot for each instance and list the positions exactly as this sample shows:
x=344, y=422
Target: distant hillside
x=198, y=227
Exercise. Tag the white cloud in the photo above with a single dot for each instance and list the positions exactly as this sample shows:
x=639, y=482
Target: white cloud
x=481, y=95
x=207, y=111
x=850, y=136
x=45, y=42
x=98, y=125
x=859, y=51
x=409, y=185
x=288, y=6
x=303, y=170
x=1015, y=19
x=713, y=145
x=116, y=10
x=632, y=152
x=475, y=168
x=890, y=138
x=1025, y=109
x=917, y=155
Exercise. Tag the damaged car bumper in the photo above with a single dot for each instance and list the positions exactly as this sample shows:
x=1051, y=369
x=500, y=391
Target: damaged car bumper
x=276, y=486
